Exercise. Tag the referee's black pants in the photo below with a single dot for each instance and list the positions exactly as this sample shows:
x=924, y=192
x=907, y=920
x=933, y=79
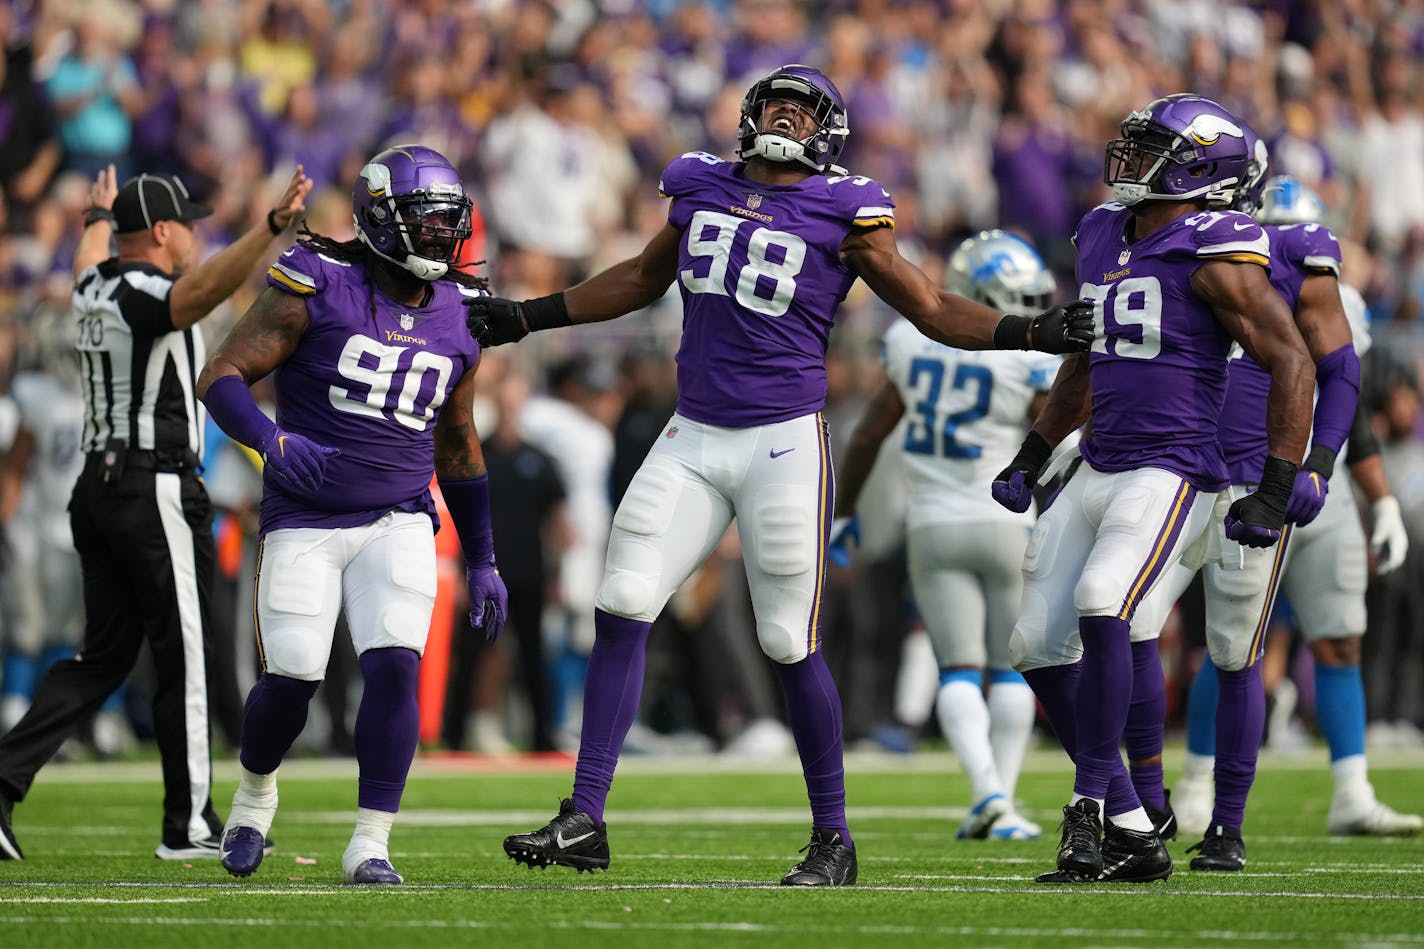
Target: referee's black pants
x=146, y=548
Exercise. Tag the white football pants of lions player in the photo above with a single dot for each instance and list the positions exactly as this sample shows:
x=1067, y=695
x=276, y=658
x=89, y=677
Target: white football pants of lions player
x=1100, y=550
x=776, y=480
x=382, y=574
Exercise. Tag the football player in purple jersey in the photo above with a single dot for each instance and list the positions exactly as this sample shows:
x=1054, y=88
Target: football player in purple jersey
x=1175, y=281
x=763, y=251
x=1320, y=564
x=375, y=375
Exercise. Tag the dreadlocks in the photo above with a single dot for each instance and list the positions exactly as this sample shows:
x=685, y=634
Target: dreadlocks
x=355, y=252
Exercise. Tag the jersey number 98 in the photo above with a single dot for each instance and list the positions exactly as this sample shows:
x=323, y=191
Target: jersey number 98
x=767, y=283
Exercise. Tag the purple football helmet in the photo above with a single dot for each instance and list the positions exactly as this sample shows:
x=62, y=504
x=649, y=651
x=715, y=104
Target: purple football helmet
x=1248, y=196
x=1179, y=148
x=410, y=208
x=813, y=90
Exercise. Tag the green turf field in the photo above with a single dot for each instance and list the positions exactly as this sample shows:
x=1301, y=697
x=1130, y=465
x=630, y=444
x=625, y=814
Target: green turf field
x=698, y=846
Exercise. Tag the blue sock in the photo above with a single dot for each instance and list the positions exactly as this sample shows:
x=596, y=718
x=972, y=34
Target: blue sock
x=972, y=676
x=115, y=701
x=49, y=657
x=1340, y=709
x=1201, y=711
x=18, y=675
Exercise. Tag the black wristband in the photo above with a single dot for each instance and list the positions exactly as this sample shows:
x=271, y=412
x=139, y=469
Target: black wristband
x=545, y=313
x=1035, y=452
x=95, y=215
x=1321, y=460
x=1277, y=480
x=1012, y=332
x=272, y=222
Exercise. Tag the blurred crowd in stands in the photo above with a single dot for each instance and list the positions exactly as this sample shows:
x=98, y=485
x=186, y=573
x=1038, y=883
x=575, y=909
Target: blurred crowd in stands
x=560, y=114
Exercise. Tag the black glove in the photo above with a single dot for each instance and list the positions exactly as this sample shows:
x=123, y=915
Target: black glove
x=1257, y=519
x=494, y=321
x=1062, y=328
x=1013, y=487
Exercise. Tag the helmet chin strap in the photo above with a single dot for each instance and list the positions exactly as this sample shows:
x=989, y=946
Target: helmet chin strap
x=422, y=267
x=1130, y=194
x=779, y=148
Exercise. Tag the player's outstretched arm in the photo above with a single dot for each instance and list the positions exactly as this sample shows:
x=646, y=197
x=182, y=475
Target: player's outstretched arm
x=885, y=409
x=93, y=246
x=267, y=334
x=626, y=286
x=954, y=320
x=1320, y=317
x=1243, y=301
x=464, y=483
x=1066, y=409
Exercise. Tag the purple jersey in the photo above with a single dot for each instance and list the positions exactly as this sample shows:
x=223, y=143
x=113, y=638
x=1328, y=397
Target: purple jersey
x=1297, y=251
x=761, y=277
x=1158, y=365
x=369, y=377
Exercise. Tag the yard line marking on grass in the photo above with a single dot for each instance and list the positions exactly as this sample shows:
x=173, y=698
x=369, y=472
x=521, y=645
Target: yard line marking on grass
x=98, y=899
x=1349, y=938
x=1026, y=887
x=706, y=815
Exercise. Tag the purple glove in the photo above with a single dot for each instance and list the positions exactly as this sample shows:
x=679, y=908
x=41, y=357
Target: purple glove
x=1013, y=487
x=489, y=600
x=1016, y=493
x=298, y=459
x=1257, y=519
x=1307, y=497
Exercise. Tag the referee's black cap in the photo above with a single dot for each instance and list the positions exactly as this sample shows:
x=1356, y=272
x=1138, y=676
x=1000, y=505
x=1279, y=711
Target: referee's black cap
x=144, y=200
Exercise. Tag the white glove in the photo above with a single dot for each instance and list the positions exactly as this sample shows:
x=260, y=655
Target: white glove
x=1388, y=540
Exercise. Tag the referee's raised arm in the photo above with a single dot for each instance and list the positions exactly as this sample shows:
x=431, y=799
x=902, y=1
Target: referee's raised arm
x=196, y=292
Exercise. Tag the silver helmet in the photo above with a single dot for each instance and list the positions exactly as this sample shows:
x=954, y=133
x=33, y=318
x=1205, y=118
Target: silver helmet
x=1002, y=271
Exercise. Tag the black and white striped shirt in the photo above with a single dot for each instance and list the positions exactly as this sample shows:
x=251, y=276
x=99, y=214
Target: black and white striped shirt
x=139, y=373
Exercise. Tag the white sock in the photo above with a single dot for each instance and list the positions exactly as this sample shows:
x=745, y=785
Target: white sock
x=1198, y=767
x=1011, y=710
x=370, y=839
x=255, y=803
x=964, y=718
x=1102, y=802
x=1351, y=776
x=1135, y=819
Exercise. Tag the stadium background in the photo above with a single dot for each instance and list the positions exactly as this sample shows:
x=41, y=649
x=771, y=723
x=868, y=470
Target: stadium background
x=560, y=115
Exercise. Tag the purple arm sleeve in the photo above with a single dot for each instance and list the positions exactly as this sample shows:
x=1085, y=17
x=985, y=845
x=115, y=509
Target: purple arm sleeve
x=469, y=504
x=231, y=405
x=1338, y=377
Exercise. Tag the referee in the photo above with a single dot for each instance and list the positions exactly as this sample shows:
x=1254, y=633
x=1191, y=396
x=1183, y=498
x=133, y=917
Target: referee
x=141, y=519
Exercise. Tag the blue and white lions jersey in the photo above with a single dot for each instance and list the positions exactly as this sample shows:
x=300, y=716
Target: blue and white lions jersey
x=53, y=413
x=966, y=414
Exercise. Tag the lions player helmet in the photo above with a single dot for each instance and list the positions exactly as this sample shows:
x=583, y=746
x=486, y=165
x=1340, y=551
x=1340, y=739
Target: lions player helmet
x=811, y=89
x=1002, y=271
x=411, y=209
x=1285, y=200
x=1178, y=148
x=1248, y=196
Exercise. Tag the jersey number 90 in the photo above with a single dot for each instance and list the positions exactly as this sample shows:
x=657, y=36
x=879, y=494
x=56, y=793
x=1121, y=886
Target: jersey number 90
x=766, y=283
x=377, y=369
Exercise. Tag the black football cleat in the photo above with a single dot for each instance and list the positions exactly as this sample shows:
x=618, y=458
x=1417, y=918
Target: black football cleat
x=9, y=846
x=1163, y=821
x=1221, y=849
x=572, y=839
x=1133, y=856
x=1080, y=849
x=828, y=862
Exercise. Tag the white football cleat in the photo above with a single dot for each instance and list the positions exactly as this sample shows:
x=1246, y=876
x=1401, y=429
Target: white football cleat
x=1370, y=816
x=982, y=816
x=1011, y=825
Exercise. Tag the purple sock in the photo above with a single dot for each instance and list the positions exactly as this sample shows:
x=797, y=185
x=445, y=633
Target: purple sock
x=612, y=688
x=813, y=709
x=1146, y=723
x=275, y=713
x=1104, y=692
x=1057, y=691
x=1240, y=722
x=387, y=726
